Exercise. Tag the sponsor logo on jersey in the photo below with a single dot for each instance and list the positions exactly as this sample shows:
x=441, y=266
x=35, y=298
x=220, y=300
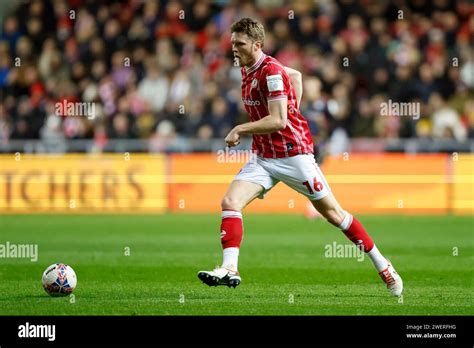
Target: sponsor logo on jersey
x=250, y=102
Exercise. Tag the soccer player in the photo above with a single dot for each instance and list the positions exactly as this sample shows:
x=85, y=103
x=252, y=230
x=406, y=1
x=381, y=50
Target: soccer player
x=271, y=94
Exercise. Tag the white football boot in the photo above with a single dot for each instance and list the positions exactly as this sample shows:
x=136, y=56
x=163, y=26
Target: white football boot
x=220, y=276
x=392, y=279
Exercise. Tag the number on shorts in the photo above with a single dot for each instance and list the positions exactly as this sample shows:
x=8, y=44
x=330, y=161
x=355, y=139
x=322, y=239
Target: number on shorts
x=317, y=185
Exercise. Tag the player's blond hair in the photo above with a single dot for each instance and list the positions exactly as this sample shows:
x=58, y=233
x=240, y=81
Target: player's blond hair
x=253, y=28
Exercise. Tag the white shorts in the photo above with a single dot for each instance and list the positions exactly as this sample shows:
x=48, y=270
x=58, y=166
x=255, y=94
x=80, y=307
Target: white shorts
x=299, y=172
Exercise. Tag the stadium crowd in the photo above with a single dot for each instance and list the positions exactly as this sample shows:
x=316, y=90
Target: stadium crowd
x=164, y=69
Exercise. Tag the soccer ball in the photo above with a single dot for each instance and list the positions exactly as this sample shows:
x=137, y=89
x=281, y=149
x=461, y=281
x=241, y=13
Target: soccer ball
x=59, y=279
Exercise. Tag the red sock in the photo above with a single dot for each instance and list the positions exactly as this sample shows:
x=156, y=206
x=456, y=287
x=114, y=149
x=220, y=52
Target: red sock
x=231, y=229
x=354, y=230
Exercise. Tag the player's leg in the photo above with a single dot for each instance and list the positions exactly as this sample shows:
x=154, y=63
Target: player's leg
x=237, y=197
x=303, y=175
x=330, y=209
x=355, y=231
x=251, y=182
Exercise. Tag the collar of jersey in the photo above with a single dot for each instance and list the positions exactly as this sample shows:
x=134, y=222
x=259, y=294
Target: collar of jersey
x=256, y=64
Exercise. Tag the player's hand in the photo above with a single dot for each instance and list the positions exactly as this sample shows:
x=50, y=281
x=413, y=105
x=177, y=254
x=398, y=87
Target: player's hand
x=233, y=138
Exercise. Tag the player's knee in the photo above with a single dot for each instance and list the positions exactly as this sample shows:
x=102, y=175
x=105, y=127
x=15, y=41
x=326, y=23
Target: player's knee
x=230, y=203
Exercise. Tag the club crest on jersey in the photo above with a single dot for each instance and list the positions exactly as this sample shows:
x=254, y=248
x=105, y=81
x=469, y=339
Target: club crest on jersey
x=254, y=83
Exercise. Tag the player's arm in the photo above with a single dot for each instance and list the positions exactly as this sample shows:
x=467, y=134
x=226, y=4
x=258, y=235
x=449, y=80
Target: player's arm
x=274, y=122
x=296, y=79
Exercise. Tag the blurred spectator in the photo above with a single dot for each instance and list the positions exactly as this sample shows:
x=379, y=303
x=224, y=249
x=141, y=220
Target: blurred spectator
x=164, y=137
x=11, y=33
x=121, y=128
x=154, y=87
x=446, y=121
x=52, y=134
x=221, y=119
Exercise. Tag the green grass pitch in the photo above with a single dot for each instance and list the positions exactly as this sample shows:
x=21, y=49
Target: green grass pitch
x=283, y=266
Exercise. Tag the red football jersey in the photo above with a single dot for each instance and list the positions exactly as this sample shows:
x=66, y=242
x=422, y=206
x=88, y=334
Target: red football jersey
x=267, y=80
